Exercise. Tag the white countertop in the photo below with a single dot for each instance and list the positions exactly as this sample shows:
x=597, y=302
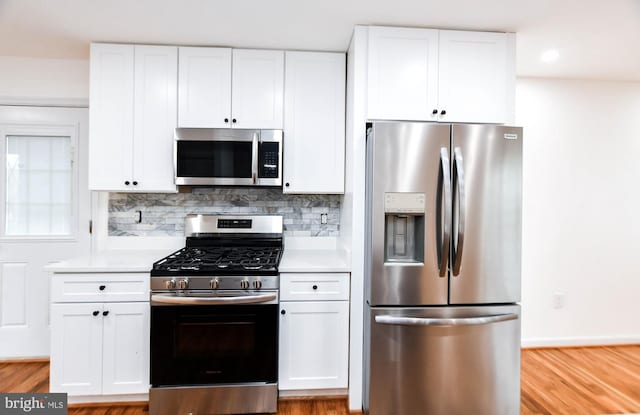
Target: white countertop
x=111, y=261
x=293, y=260
x=314, y=260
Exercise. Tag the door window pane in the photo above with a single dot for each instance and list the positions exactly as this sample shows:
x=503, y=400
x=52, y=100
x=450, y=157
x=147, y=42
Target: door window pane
x=38, y=186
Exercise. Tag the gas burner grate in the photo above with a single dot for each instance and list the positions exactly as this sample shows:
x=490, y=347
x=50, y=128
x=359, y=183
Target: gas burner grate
x=221, y=259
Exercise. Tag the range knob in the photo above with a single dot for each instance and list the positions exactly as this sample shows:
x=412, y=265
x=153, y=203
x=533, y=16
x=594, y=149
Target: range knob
x=244, y=284
x=257, y=284
x=171, y=284
x=214, y=283
x=183, y=284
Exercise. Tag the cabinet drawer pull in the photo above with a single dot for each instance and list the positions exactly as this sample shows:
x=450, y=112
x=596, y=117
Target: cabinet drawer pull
x=315, y=287
x=283, y=312
x=105, y=313
x=95, y=313
x=102, y=287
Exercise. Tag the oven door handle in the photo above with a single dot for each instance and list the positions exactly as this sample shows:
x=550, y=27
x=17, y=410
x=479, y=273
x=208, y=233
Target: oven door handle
x=185, y=300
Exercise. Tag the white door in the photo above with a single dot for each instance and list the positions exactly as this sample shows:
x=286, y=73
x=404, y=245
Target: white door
x=257, y=92
x=111, y=108
x=403, y=74
x=44, y=216
x=126, y=348
x=204, y=87
x=155, y=114
x=76, y=348
x=314, y=345
x=473, y=77
x=314, y=122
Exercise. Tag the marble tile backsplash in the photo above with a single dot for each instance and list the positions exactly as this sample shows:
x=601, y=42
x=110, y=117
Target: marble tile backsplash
x=163, y=214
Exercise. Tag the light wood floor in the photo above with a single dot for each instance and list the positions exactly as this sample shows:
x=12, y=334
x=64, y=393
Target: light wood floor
x=572, y=381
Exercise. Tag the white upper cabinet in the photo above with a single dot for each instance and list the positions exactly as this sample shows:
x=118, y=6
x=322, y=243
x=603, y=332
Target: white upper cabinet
x=473, y=76
x=221, y=87
x=204, y=94
x=132, y=111
x=440, y=75
x=257, y=89
x=403, y=73
x=155, y=108
x=314, y=123
x=111, y=116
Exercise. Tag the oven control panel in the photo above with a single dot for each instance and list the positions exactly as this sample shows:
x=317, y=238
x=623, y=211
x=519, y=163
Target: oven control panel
x=268, y=282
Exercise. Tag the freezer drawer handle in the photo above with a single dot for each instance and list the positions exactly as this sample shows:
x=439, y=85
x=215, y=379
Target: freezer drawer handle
x=465, y=321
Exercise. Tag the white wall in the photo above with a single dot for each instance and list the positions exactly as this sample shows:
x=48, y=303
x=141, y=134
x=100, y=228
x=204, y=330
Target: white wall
x=581, y=215
x=40, y=80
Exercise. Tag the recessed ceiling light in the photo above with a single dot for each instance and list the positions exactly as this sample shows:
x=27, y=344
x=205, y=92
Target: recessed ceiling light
x=550, y=55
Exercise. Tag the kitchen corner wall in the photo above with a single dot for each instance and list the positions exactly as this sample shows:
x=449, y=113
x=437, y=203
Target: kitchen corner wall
x=581, y=229
x=163, y=214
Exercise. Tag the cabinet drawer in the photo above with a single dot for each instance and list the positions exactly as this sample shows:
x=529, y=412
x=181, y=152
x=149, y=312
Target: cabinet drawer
x=314, y=287
x=76, y=288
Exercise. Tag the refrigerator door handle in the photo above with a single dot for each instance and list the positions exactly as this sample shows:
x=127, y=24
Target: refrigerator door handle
x=459, y=185
x=443, y=235
x=464, y=321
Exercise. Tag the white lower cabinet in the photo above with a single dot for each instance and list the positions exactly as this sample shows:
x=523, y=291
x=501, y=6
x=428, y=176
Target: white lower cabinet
x=99, y=348
x=314, y=335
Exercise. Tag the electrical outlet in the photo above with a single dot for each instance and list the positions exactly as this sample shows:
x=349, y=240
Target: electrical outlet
x=558, y=300
x=324, y=218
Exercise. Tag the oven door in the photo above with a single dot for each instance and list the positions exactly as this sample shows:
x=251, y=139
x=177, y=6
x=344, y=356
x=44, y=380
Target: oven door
x=205, y=156
x=206, y=342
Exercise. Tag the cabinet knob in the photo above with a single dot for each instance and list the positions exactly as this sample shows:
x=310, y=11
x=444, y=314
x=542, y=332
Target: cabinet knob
x=283, y=312
x=315, y=287
x=95, y=313
x=434, y=112
x=233, y=120
x=226, y=120
x=102, y=287
x=443, y=112
x=286, y=185
x=105, y=313
x=135, y=183
x=127, y=182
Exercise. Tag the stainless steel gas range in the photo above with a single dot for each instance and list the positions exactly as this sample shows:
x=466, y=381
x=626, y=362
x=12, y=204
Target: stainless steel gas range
x=214, y=319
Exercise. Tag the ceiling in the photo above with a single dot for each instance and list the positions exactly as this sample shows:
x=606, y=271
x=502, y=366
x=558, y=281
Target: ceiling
x=595, y=39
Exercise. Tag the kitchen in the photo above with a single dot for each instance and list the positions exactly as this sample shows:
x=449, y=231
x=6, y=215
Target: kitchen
x=563, y=264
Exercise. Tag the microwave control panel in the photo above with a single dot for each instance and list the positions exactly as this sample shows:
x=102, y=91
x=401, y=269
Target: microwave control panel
x=269, y=160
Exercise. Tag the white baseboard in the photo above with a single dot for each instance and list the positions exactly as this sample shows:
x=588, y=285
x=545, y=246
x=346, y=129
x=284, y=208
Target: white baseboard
x=580, y=341
x=139, y=397
x=312, y=392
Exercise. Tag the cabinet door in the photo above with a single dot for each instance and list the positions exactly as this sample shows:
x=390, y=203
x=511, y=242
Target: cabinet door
x=258, y=88
x=314, y=345
x=204, y=87
x=76, y=348
x=314, y=122
x=126, y=348
x=403, y=73
x=111, y=117
x=155, y=112
x=474, y=76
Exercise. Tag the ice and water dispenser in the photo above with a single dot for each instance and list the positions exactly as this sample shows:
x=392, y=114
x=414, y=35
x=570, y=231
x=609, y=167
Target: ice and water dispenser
x=404, y=227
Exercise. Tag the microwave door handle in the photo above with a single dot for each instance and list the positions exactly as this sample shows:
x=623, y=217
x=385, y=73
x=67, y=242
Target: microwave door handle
x=254, y=158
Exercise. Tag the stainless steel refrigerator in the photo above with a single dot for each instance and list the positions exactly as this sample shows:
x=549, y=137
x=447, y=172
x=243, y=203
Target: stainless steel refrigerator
x=442, y=271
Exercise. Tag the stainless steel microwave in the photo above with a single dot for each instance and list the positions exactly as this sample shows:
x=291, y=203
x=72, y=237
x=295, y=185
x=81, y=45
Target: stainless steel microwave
x=219, y=156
